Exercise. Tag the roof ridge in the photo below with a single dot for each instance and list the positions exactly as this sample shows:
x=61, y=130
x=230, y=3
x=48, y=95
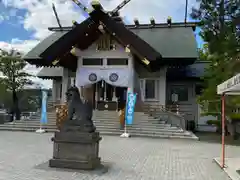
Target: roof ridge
x=140, y=26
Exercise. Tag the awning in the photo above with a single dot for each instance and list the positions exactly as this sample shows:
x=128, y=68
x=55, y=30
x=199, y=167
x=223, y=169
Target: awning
x=230, y=86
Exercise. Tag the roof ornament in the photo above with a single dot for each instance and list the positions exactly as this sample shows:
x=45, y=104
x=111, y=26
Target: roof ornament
x=55, y=62
x=56, y=15
x=97, y=5
x=127, y=49
x=145, y=61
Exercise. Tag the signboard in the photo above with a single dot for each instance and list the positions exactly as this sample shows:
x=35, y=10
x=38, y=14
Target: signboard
x=174, y=97
x=231, y=86
x=131, y=101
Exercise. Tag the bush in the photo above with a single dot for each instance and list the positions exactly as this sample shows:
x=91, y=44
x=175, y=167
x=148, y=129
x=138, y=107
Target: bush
x=235, y=116
x=214, y=122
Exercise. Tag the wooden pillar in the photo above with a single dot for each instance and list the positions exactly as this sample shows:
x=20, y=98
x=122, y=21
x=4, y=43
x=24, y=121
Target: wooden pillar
x=65, y=84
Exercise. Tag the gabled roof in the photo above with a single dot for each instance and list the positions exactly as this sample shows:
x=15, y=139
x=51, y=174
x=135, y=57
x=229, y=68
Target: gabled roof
x=150, y=43
x=171, y=42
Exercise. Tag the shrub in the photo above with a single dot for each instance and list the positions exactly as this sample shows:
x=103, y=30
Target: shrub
x=214, y=122
x=235, y=116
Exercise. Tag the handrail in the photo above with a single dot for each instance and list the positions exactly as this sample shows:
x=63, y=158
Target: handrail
x=176, y=119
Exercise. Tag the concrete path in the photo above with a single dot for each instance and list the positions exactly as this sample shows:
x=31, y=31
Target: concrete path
x=24, y=156
x=231, y=166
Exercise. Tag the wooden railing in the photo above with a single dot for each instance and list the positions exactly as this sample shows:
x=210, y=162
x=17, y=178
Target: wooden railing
x=61, y=114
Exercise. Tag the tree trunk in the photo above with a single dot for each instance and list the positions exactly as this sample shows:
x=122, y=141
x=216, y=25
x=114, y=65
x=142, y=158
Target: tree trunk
x=16, y=110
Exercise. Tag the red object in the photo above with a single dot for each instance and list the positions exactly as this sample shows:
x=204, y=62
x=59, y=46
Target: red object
x=223, y=131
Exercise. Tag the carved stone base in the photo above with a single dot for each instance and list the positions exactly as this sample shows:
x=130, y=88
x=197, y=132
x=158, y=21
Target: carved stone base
x=76, y=150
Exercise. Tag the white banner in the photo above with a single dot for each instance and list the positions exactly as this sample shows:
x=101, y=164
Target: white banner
x=120, y=77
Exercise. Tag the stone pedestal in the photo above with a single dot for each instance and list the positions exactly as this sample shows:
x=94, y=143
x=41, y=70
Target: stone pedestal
x=75, y=150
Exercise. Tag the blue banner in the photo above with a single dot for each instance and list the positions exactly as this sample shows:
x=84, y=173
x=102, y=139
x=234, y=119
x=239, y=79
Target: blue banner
x=131, y=101
x=44, y=107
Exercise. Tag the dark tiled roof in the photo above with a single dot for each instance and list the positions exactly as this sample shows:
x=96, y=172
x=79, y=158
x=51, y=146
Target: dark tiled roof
x=195, y=70
x=171, y=42
x=50, y=72
x=152, y=43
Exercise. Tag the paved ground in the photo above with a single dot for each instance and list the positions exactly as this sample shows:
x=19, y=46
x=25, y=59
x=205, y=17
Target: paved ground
x=231, y=167
x=22, y=157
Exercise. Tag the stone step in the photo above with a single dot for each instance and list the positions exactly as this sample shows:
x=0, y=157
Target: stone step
x=104, y=121
x=109, y=126
x=154, y=122
x=149, y=133
x=146, y=135
x=131, y=131
x=99, y=124
x=118, y=132
x=28, y=129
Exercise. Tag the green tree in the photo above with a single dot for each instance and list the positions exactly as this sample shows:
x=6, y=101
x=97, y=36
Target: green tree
x=215, y=19
x=14, y=78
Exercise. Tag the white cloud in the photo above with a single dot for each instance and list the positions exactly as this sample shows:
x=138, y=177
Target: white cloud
x=1, y=18
x=40, y=15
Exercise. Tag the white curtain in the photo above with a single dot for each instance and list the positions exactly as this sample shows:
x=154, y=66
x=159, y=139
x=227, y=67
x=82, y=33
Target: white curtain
x=120, y=77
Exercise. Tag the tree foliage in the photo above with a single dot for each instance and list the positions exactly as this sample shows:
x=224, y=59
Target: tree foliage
x=13, y=76
x=215, y=19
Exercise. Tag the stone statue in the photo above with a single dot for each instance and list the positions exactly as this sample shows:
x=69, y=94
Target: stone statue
x=79, y=112
x=76, y=145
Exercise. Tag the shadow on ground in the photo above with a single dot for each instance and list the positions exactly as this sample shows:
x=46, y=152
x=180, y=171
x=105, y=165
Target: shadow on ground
x=102, y=169
x=216, y=138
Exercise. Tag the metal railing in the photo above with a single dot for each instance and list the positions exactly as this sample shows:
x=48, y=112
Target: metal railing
x=174, y=118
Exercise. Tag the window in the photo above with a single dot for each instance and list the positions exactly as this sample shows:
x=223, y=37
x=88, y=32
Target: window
x=181, y=91
x=92, y=62
x=117, y=62
x=150, y=89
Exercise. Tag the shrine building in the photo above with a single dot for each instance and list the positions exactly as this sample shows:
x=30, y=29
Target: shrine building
x=107, y=59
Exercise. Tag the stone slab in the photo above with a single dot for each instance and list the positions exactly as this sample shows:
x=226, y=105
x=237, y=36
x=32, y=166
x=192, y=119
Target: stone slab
x=73, y=164
x=231, y=167
x=75, y=150
x=100, y=170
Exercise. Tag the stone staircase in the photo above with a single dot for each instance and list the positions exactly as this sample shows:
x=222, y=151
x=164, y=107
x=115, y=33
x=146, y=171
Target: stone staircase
x=107, y=123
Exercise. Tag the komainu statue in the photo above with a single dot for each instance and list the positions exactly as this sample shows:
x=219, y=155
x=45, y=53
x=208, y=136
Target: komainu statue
x=79, y=113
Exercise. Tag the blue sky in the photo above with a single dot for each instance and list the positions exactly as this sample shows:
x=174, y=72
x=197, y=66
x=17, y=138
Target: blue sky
x=12, y=26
